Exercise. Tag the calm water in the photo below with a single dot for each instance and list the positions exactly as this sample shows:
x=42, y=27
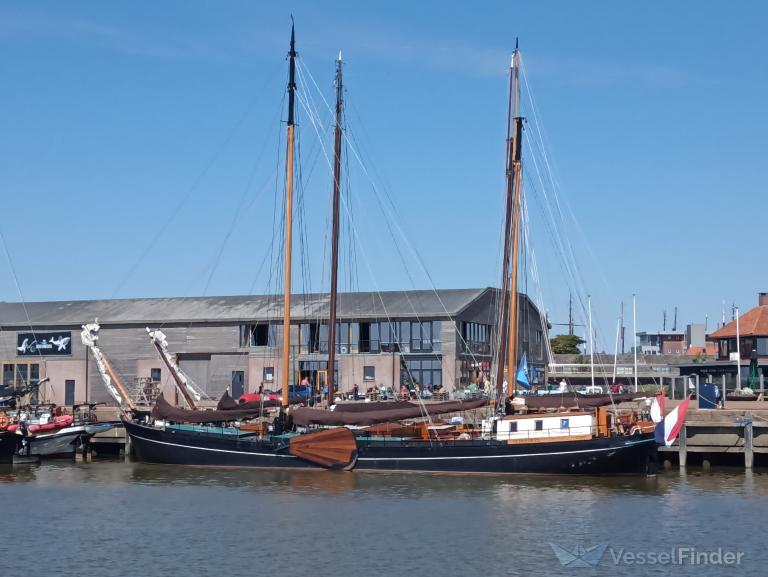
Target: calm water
x=115, y=518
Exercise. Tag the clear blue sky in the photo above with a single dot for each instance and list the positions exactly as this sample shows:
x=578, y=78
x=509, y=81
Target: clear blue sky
x=114, y=115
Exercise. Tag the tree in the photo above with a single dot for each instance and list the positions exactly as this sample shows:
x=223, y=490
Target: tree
x=566, y=344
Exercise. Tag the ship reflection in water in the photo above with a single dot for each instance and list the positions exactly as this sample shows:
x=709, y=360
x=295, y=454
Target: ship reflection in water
x=130, y=518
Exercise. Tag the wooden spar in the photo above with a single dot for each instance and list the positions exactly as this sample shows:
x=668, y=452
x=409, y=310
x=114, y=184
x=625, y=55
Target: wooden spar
x=116, y=381
x=517, y=181
x=180, y=386
x=503, y=326
x=335, y=235
x=286, y=364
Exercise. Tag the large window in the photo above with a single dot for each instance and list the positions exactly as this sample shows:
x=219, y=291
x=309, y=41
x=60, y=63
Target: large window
x=258, y=335
x=427, y=373
x=762, y=346
x=369, y=338
x=476, y=338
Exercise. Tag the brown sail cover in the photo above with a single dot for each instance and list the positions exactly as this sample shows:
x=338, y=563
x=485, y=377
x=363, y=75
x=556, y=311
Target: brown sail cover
x=164, y=410
x=569, y=400
x=380, y=413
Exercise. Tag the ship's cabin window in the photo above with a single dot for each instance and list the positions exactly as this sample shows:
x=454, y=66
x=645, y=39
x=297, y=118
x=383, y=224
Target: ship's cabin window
x=539, y=425
x=513, y=427
x=565, y=424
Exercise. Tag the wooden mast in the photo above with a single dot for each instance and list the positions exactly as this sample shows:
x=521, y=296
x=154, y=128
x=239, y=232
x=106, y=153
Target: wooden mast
x=286, y=360
x=517, y=183
x=508, y=322
x=335, y=234
x=503, y=323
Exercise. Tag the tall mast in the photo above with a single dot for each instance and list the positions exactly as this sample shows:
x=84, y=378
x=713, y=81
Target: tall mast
x=335, y=233
x=288, y=220
x=508, y=335
x=516, y=184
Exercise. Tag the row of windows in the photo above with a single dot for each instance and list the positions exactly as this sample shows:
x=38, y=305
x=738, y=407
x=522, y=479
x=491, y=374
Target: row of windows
x=476, y=338
x=356, y=337
x=748, y=344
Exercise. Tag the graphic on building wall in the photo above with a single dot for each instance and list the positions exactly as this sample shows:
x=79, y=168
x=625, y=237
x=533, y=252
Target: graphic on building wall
x=48, y=344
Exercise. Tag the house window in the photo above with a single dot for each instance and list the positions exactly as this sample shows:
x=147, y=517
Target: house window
x=155, y=375
x=538, y=425
x=565, y=424
x=369, y=373
x=269, y=374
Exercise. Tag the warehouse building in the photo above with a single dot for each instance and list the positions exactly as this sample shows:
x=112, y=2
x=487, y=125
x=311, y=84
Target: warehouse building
x=233, y=343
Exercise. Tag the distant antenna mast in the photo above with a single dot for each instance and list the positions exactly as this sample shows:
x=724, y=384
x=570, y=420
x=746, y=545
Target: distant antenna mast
x=570, y=313
x=664, y=321
x=723, y=318
x=674, y=324
x=622, y=328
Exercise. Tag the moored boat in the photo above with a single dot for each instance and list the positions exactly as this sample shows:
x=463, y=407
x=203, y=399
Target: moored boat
x=581, y=440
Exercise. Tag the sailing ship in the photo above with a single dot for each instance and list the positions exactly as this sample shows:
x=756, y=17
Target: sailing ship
x=370, y=436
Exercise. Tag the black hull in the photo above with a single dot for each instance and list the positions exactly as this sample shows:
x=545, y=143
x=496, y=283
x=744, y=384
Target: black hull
x=614, y=456
x=9, y=443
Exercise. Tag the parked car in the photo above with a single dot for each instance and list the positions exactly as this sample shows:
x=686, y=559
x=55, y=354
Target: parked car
x=265, y=395
x=299, y=393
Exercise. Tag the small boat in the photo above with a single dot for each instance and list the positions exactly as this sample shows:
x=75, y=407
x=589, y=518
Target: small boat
x=44, y=435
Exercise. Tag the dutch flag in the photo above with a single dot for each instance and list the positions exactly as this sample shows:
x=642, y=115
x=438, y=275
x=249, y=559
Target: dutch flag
x=668, y=429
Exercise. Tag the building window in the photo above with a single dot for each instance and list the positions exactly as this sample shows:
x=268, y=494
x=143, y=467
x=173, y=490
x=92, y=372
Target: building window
x=69, y=392
x=762, y=346
x=258, y=335
x=426, y=373
x=269, y=374
x=155, y=375
x=538, y=425
x=476, y=338
x=369, y=373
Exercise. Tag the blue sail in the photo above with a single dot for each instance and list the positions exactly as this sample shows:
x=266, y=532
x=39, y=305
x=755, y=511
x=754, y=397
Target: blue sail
x=522, y=373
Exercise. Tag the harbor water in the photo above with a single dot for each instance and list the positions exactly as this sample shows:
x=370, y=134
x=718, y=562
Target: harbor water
x=122, y=519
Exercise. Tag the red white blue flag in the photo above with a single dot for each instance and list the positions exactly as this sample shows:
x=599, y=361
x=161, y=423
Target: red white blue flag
x=668, y=429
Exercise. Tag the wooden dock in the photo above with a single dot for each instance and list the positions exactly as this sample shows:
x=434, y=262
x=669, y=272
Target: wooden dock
x=740, y=429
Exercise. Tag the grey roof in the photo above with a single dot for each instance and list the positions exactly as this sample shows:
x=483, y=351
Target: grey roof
x=439, y=303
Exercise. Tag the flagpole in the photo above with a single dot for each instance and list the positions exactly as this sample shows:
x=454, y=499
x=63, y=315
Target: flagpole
x=634, y=334
x=738, y=354
x=591, y=343
x=616, y=350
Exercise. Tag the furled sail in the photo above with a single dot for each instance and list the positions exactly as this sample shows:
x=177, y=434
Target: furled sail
x=372, y=413
x=165, y=411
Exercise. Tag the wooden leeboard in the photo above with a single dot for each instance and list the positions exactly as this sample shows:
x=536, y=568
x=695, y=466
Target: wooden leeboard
x=331, y=448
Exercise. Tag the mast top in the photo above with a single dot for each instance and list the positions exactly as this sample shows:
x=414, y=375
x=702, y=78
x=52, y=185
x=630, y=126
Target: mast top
x=339, y=58
x=291, y=75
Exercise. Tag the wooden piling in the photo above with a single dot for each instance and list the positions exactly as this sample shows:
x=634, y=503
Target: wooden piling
x=749, y=457
x=683, y=452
